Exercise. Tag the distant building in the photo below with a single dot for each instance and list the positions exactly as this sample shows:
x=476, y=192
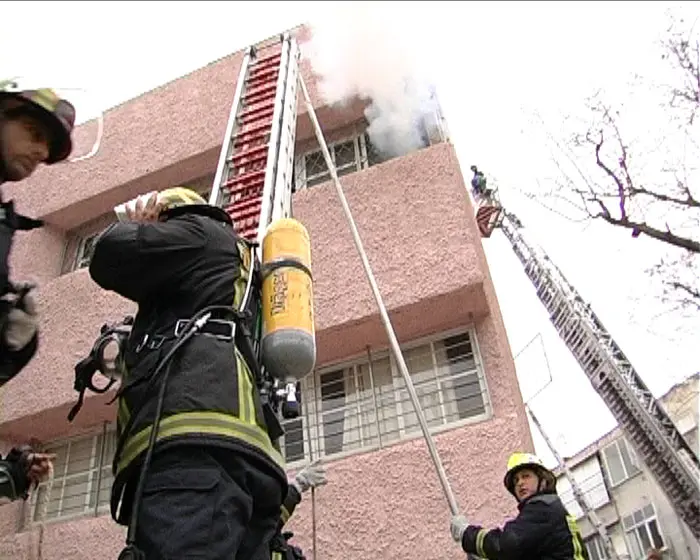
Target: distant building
x=625, y=495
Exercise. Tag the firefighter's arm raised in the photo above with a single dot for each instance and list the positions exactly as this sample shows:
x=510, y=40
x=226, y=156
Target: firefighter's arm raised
x=135, y=259
x=517, y=539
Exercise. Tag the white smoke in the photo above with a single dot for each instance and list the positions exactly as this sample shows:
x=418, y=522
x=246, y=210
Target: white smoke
x=374, y=51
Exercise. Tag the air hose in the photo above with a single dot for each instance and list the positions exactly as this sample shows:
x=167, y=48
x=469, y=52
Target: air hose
x=193, y=326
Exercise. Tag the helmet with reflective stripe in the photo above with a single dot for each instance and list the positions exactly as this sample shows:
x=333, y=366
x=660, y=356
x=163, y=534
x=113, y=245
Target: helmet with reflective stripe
x=179, y=196
x=519, y=461
x=57, y=114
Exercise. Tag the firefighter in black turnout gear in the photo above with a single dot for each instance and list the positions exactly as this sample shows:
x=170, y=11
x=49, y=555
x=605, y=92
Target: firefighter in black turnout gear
x=35, y=128
x=542, y=530
x=215, y=482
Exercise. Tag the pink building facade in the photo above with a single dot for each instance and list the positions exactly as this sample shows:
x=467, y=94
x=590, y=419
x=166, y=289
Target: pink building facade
x=383, y=500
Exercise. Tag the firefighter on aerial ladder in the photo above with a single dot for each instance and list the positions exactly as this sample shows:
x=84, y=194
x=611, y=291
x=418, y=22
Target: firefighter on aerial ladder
x=478, y=183
x=542, y=529
x=35, y=128
x=215, y=483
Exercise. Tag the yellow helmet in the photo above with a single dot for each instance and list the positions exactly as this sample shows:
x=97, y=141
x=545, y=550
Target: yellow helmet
x=519, y=461
x=179, y=196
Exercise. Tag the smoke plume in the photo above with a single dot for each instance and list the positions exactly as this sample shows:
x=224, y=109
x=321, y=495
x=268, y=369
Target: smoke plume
x=371, y=51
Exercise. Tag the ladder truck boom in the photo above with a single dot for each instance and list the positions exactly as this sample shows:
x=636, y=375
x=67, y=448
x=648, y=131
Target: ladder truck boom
x=651, y=431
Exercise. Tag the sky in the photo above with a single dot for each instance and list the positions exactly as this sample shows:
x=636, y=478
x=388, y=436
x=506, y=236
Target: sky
x=507, y=74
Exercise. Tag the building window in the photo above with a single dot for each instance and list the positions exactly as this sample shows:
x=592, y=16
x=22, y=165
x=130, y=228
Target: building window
x=86, y=247
x=82, y=478
x=595, y=548
x=642, y=532
x=365, y=404
x=348, y=155
x=589, y=479
x=620, y=461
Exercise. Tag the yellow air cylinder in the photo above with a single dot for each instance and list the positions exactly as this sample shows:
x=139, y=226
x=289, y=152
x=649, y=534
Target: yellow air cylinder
x=288, y=337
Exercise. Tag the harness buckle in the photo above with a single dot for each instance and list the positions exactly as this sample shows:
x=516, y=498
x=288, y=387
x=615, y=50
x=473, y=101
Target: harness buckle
x=217, y=328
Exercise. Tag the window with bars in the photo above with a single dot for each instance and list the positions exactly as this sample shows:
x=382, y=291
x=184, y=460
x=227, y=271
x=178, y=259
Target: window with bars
x=365, y=404
x=642, y=532
x=349, y=155
x=620, y=461
x=82, y=478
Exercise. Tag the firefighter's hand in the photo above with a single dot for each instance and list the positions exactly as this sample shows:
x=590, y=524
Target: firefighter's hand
x=311, y=476
x=29, y=468
x=148, y=212
x=39, y=465
x=22, y=323
x=458, y=526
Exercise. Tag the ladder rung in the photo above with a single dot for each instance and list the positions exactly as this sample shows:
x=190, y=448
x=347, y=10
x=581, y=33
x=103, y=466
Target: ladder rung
x=257, y=80
x=246, y=178
x=245, y=190
x=261, y=70
x=265, y=88
x=253, y=131
x=256, y=108
x=261, y=98
x=251, y=140
x=249, y=155
x=258, y=70
x=260, y=113
x=251, y=191
x=245, y=206
x=268, y=57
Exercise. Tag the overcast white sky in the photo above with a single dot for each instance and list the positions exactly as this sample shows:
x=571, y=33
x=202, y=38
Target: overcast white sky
x=495, y=64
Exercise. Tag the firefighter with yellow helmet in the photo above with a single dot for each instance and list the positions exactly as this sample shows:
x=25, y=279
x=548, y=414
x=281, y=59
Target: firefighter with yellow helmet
x=207, y=482
x=543, y=527
x=35, y=128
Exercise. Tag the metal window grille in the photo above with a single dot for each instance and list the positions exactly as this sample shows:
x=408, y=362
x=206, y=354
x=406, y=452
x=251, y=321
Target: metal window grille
x=82, y=477
x=365, y=405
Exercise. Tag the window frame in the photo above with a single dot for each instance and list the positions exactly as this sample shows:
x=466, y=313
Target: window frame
x=361, y=162
x=595, y=541
x=314, y=428
x=631, y=531
x=634, y=459
x=99, y=462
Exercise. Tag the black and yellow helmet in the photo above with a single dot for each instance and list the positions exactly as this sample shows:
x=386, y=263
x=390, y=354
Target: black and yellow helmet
x=176, y=197
x=519, y=461
x=57, y=114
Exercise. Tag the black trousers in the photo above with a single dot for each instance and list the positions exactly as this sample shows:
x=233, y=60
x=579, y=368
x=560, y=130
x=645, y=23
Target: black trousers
x=200, y=503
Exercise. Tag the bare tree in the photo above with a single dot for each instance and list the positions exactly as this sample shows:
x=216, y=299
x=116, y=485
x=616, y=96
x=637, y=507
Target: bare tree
x=647, y=185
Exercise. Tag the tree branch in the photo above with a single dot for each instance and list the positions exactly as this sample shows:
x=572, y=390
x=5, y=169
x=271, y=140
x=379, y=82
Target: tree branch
x=693, y=293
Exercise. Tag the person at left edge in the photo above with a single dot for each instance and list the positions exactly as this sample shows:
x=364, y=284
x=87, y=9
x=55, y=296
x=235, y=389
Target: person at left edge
x=35, y=128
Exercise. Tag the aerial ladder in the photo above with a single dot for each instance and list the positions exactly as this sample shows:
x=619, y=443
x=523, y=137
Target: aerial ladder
x=650, y=430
